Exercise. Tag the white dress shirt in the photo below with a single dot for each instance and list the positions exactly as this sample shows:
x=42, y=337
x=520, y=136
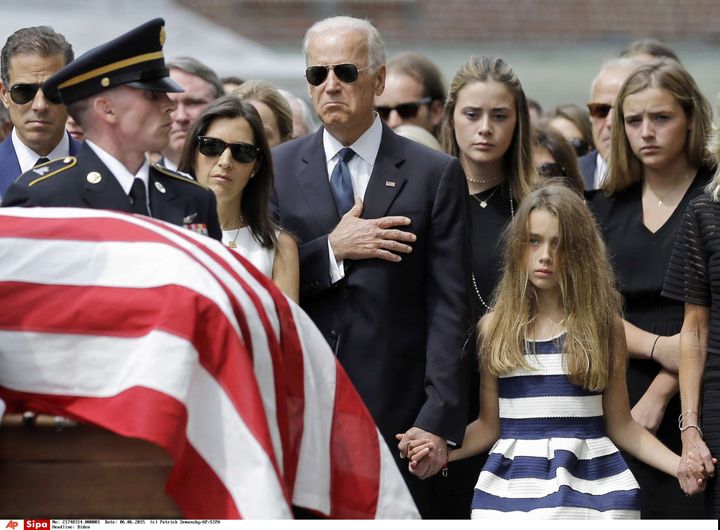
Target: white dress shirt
x=361, y=167
x=27, y=158
x=601, y=169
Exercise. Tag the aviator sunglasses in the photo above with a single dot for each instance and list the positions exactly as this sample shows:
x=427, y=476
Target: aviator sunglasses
x=345, y=72
x=22, y=93
x=406, y=111
x=599, y=110
x=241, y=151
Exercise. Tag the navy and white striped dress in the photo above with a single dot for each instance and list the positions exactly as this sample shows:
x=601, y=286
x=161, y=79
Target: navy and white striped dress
x=553, y=459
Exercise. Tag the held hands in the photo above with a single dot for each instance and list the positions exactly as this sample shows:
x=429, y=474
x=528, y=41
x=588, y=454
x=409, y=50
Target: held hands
x=356, y=238
x=696, y=463
x=426, y=452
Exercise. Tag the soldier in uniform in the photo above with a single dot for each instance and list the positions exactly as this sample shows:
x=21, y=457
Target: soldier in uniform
x=117, y=92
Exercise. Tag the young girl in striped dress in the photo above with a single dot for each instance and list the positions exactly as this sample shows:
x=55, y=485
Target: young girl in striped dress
x=553, y=394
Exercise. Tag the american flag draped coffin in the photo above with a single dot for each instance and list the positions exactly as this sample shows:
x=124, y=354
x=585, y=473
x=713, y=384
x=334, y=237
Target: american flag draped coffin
x=154, y=332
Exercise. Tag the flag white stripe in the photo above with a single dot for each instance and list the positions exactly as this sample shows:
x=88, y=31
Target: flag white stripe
x=532, y=488
x=107, y=366
x=551, y=407
x=582, y=449
x=312, y=482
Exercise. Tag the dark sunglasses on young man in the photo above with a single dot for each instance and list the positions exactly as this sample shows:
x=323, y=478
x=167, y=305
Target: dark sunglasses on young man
x=22, y=93
x=599, y=110
x=407, y=111
x=345, y=72
x=241, y=151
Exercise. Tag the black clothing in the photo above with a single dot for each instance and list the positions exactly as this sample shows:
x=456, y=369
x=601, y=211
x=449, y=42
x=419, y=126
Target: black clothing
x=639, y=259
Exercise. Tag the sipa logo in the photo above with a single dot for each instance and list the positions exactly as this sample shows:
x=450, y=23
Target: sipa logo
x=37, y=524
x=12, y=525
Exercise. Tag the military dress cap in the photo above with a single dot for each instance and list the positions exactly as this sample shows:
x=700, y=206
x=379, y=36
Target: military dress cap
x=134, y=59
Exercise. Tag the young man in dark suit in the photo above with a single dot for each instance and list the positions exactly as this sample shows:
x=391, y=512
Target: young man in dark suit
x=117, y=92
x=28, y=58
x=383, y=241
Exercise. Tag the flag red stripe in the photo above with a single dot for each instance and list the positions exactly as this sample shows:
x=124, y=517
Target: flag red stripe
x=355, y=454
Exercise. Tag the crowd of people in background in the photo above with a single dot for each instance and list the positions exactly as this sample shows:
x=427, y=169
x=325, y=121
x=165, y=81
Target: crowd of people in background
x=512, y=291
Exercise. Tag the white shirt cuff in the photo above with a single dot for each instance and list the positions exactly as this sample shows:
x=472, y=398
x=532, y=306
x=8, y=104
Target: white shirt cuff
x=337, y=271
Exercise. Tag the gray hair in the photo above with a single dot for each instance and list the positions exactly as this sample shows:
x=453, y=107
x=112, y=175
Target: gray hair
x=616, y=63
x=39, y=40
x=376, y=47
x=196, y=68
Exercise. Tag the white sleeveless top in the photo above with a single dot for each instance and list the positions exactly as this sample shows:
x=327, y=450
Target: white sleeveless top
x=249, y=248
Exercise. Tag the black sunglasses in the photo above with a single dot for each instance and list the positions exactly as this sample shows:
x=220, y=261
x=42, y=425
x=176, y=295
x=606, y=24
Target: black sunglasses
x=241, y=151
x=551, y=169
x=22, y=93
x=345, y=72
x=406, y=111
x=581, y=146
x=599, y=110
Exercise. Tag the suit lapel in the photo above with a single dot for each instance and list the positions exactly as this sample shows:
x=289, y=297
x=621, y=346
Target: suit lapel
x=165, y=204
x=314, y=183
x=105, y=192
x=386, y=180
x=9, y=165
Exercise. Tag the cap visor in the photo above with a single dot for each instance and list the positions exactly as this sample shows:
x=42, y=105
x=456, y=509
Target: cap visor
x=164, y=84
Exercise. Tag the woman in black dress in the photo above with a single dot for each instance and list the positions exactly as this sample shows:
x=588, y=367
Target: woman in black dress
x=693, y=269
x=487, y=126
x=658, y=163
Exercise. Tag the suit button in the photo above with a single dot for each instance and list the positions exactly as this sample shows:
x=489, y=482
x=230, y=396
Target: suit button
x=332, y=335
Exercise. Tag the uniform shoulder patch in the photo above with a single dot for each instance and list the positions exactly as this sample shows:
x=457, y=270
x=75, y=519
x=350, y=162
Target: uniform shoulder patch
x=50, y=169
x=176, y=175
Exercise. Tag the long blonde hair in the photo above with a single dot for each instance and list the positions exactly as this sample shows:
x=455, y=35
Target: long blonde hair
x=624, y=167
x=517, y=161
x=590, y=301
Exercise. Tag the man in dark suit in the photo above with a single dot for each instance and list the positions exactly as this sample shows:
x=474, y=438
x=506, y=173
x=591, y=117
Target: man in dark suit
x=117, y=92
x=383, y=244
x=28, y=58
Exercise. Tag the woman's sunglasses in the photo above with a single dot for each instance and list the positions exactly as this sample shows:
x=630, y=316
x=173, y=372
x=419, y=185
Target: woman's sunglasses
x=345, y=72
x=241, y=151
x=580, y=146
x=551, y=169
x=407, y=111
x=22, y=93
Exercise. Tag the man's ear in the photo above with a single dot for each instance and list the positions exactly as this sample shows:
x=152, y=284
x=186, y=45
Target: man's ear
x=5, y=95
x=437, y=111
x=380, y=80
x=104, y=108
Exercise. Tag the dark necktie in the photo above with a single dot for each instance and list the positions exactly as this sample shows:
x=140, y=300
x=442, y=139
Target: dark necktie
x=341, y=182
x=41, y=161
x=138, y=195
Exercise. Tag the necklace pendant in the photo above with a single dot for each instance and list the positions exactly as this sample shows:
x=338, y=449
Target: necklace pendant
x=232, y=244
x=660, y=203
x=483, y=204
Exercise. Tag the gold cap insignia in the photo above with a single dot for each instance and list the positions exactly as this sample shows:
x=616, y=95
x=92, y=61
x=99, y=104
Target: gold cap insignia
x=94, y=177
x=162, y=36
x=105, y=81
